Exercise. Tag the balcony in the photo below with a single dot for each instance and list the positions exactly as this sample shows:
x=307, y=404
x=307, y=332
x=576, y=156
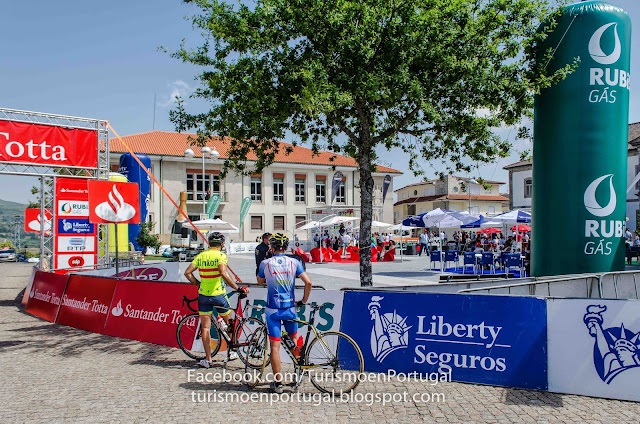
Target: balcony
x=193, y=197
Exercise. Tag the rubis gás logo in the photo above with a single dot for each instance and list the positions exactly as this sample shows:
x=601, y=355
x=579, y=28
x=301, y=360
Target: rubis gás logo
x=608, y=78
x=114, y=202
x=605, y=228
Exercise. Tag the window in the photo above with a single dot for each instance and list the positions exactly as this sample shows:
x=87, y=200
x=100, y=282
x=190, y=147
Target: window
x=340, y=196
x=475, y=210
x=415, y=192
x=256, y=222
x=278, y=223
x=528, y=186
x=300, y=219
x=455, y=189
x=299, y=189
x=256, y=189
x=195, y=185
x=411, y=210
x=278, y=189
x=492, y=210
x=321, y=190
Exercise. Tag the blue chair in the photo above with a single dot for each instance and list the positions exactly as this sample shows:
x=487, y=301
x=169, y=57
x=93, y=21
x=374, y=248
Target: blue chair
x=488, y=259
x=469, y=259
x=452, y=256
x=434, y=256
x=513, y=261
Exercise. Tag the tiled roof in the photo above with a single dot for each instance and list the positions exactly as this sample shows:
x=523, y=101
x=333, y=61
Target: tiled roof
x=517, y=164
x=415, y=184
x=161, y=143
x=485, y=197
x=481, y=197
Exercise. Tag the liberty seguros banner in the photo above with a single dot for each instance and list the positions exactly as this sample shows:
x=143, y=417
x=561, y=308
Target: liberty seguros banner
x=478, y=339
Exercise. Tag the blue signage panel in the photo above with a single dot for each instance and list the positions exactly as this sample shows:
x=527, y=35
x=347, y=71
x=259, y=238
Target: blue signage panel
x=75, y=226
x=496, y=340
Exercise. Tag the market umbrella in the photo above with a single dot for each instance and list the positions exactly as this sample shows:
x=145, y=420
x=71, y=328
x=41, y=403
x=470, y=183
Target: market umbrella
x=379, y=224
x=515, y=216
x=489, y=231
x=337, y=220
x=214, y=225
x=309, y=225
x=521, y=228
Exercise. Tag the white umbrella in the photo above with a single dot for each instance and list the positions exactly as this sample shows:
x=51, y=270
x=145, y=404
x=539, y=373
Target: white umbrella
x=309, y=225
x=380, y=224
x=400, y=227
x=337, y=220
x=214, y=225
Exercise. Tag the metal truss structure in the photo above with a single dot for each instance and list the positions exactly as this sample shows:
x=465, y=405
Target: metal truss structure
x=48, y=174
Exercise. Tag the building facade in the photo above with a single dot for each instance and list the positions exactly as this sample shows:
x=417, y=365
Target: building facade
x=295, y=188
x=520, y=184
x=453, y=193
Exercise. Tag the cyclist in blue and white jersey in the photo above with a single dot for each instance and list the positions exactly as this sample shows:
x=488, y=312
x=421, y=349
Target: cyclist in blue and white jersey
x=280, y=272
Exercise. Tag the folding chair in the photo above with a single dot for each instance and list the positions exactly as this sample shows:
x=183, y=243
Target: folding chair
x=434, y=256
x=469, y=259
x=451, y=256
x=488, y=259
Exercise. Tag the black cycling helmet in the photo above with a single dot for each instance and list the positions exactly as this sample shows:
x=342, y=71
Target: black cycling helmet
x=278, y=241
x=266, y=235
x=215, y=239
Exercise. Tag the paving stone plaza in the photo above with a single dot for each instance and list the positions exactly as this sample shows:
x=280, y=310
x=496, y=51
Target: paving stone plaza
x=53, y=373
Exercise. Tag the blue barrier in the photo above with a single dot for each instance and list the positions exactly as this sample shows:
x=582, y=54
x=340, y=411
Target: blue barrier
x=496, y=340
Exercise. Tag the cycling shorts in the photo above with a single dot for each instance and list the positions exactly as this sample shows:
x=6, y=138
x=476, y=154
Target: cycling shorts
x=275, y=318
x=207, y=303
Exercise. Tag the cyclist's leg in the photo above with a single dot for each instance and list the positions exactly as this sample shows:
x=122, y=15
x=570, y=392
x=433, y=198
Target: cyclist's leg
x=290, y=326
x=225, y=310
x=205, y=309
x=274, y=331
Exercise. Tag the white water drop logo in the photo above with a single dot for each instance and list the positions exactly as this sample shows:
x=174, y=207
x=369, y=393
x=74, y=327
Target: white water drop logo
x=115, y=210
x=117, y=311
x=33, y=293
x=592, y=204
x=596, y=51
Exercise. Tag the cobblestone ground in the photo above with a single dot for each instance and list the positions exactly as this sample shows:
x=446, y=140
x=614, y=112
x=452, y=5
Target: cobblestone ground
x=52, y=373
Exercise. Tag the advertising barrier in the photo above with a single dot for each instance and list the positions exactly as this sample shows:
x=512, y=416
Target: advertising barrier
x=85, y=303
x=594, y=348
x=477, y=339
x=45, y=294
x=162, y=271
x=148, y=312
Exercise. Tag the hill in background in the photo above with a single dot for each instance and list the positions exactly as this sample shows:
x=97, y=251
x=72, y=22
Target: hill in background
x=8, y=210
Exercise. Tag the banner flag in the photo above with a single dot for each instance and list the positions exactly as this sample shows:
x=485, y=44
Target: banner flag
x=385, y=186
x=244, y=208
x=212, y=205
x=335, y=184
x=114, y=202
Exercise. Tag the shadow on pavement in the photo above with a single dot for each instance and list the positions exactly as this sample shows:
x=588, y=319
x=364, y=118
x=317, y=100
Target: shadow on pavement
x=524, y=397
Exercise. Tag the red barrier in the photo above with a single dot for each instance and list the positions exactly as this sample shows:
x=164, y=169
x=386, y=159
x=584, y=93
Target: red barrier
x=148, y=312
x=46, y=293
x=85, y=303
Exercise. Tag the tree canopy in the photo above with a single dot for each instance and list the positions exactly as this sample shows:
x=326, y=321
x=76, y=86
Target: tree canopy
x=432, y=77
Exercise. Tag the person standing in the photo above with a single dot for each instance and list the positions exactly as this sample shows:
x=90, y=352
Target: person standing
x=424, y=243
x=262, y=251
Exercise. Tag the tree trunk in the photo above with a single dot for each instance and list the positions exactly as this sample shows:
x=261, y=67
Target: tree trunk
x=366, y=211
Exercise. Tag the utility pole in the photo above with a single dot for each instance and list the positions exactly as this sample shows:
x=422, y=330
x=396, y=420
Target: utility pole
x=17, y=229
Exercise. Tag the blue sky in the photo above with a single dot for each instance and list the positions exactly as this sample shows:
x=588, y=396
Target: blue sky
x=101, y=60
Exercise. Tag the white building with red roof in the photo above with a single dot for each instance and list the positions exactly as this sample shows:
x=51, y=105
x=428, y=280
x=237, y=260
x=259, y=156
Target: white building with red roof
x=295, y=188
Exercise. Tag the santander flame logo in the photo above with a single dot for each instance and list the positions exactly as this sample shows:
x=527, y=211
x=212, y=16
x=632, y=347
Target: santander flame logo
x=117, y=311
x=115, y=210
x=592, y=204
x=596, y=51
x=36, y=224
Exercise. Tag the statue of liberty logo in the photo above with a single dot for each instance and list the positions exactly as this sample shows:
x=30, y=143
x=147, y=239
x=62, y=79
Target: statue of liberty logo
x=616, y=349
x=389, y=333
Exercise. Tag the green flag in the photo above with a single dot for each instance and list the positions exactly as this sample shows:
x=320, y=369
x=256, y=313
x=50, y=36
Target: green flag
x=244, y=208
x=212, y=205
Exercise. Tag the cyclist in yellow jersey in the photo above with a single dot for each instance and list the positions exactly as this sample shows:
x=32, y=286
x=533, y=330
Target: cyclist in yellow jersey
x=212, y=265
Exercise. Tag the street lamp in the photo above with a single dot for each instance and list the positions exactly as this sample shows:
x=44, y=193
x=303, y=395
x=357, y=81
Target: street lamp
x=469, y=182
x=205, y=152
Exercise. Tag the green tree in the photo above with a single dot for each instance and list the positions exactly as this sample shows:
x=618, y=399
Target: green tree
x=432, y=77
x=145, y=238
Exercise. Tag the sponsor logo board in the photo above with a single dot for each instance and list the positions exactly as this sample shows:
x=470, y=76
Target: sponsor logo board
x=45, y=295
x=85, y=303
x=114, y=202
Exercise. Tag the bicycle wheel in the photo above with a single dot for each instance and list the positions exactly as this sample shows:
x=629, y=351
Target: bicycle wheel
x=243, y=331
x=256, y=358
x=336, y=361
x=189, y=337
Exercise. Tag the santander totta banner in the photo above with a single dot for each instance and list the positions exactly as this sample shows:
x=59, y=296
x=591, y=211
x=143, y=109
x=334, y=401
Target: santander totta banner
x=48, y=145
x=85, y=303
x=114, y=202
x=33, y=220
x=46, y=295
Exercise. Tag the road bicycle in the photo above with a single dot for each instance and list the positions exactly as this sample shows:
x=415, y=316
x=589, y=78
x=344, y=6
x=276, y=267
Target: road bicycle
x=234, y=338
x=332, y=359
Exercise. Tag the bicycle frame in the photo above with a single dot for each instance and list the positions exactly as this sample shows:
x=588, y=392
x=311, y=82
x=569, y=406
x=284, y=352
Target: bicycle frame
x=303, y=349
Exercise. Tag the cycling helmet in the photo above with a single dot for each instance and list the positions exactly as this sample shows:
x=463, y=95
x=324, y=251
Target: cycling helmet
x=266, y=235
x=215, y=239
x=279, y=241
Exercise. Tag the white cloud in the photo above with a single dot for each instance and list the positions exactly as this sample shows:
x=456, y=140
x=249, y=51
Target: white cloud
x=177, y=88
